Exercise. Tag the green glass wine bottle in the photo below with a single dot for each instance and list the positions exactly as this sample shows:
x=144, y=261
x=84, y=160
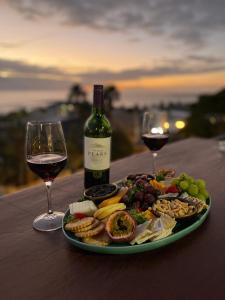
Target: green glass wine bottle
x=97, y=143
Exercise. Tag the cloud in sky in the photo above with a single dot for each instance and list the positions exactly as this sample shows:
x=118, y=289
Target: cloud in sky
x=190, y=22
x=16, y=66
x=19, y=75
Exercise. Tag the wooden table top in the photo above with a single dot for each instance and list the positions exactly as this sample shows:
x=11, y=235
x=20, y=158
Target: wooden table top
x=36, y=265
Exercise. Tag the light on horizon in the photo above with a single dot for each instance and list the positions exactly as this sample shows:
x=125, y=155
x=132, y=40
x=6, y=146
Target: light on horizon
x=180, y=124
x=166, y=125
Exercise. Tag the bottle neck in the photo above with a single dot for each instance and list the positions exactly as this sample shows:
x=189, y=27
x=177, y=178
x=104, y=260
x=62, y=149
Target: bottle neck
x=98, y=103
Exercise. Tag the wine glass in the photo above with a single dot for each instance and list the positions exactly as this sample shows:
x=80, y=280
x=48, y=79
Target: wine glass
x=155, y=132
x=46, y=155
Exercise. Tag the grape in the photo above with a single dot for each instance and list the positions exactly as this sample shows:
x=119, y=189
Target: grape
x=201, y=197
x=149, y=198
x=175, y=181
x=193, y=190
x=149, y=189
x=145, y=206
x=140, y=183
x=205, y=193
x=183, y=176
x=184, y=185
x=139, y=196
x=190, y=179
x=137, y=204
x=200, y=183
x=146, y=186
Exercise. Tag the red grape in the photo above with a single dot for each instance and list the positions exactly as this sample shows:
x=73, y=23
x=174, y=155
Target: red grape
x=139, y=196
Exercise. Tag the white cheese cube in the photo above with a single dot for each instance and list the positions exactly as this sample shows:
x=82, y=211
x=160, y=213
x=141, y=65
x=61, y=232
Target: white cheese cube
x=85, y=207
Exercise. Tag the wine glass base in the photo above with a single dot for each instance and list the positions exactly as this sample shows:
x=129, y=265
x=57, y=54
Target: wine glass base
x=48, y=222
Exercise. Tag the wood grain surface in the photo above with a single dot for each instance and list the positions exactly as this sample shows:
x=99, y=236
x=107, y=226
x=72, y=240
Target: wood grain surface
x=36, y=265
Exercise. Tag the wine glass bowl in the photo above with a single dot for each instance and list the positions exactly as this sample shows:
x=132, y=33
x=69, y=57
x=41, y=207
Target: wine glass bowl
x=155, y=133
x=46, y=156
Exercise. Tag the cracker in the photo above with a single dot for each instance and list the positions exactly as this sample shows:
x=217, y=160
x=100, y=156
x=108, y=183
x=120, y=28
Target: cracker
x=77, y=225
x=91, y=226
x=91, y=232
x=96, y=241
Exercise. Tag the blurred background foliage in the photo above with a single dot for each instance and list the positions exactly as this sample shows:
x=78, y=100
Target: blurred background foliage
x=206, y=119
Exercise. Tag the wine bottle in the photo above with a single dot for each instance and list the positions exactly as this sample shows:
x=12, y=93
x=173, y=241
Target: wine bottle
x=97, y=143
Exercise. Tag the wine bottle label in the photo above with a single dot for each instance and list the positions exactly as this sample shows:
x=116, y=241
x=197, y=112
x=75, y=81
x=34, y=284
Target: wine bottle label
x=97, y=153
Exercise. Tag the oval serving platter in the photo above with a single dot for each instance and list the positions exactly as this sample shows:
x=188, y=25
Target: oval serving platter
x=182, y=229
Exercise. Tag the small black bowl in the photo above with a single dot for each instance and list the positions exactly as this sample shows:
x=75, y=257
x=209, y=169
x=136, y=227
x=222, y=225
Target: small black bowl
x=98, y=193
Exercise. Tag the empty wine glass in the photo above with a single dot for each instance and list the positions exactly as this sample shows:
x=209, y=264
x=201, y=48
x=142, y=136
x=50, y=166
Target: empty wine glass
x=46, y=156
x=155, y=132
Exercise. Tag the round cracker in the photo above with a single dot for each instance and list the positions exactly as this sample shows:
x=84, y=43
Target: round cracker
x=91, y=226
x=91, y=232
x=92, y=241
x=74, y=226
x=69, y=226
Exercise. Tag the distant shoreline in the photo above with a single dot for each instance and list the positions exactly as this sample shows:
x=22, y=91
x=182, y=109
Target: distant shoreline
x=14, y=101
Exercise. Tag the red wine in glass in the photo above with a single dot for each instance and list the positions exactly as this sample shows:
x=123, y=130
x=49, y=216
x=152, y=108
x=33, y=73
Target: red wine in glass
x=47, y=166
x=155, y=132
x=46, y=155
x=155, y=141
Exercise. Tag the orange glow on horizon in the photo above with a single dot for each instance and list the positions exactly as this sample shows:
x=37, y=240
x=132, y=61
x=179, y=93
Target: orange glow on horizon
x=212, y=80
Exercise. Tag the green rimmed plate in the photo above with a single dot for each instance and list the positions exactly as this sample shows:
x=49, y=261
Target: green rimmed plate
x=182, y=229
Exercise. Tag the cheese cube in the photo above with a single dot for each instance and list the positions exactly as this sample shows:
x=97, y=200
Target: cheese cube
x=85, y=207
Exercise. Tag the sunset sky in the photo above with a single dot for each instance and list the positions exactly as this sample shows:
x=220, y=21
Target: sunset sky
x=145, y=46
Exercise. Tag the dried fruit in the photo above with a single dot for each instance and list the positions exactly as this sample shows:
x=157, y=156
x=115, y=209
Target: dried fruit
x=157, y=185
x=104, y=212
x=115, y=199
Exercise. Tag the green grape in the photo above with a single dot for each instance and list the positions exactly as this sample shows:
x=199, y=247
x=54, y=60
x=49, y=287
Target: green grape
x=190, y=179
x=205, y=193
x=183, y=176
x=193, y=190
x=184, y=185
x=201, y=197
x=200, y=183
x=176, y=181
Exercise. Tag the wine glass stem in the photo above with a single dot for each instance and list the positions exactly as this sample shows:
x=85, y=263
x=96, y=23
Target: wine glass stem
x=154, y=155
x=49, y=199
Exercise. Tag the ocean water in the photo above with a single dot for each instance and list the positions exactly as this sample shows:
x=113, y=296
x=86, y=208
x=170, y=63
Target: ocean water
x=12, y=101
